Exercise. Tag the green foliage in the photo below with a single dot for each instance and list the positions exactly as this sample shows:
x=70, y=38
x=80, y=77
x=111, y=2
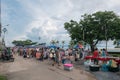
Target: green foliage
x=23, y=43
x=3, y=78
x=95, y=27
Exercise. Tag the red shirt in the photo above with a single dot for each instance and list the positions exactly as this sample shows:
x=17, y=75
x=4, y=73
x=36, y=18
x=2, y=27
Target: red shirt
x=95, y=54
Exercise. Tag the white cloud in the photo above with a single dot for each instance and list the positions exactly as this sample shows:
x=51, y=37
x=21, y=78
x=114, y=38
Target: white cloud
x=48, y=31
x=113, y=3
x=46, y=25
x=47, y=17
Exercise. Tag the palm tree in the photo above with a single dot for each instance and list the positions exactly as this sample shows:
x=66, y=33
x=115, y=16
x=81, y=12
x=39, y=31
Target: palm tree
x=63, y=42
x=53, y=42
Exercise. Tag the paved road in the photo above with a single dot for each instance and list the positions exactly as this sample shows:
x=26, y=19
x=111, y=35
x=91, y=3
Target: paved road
x=101, y=75
x=31, y=69
x=106, y=75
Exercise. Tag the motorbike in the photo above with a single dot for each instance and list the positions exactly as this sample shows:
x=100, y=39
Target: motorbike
x=7, y=57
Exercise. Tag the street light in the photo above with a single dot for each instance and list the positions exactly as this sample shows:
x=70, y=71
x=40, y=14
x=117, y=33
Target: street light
x=1, y=28
x=106, y=30
x=104, y=33
x=4, y=30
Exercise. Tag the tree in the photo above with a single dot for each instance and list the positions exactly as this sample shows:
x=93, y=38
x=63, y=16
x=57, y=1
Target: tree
x=95, y=27
x=23, y=43
x=71, y=44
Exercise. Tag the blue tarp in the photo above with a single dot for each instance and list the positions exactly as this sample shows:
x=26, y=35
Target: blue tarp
x=52, y=46
x=76, y=46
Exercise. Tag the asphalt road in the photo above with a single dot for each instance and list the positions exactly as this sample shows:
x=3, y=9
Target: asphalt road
x=100, y=75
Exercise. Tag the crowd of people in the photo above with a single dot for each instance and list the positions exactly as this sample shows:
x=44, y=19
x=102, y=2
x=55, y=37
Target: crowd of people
x=56, y=55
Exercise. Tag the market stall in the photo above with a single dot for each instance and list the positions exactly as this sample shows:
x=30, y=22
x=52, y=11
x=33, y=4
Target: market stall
x=105, y=63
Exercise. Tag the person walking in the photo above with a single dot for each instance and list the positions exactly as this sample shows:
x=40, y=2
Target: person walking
x=58, y=56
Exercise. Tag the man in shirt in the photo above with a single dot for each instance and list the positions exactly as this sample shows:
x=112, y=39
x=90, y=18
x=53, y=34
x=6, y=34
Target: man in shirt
x=96, y=55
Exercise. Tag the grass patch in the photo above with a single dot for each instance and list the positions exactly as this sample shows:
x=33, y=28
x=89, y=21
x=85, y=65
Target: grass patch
x=115, y=55
x=3, y=78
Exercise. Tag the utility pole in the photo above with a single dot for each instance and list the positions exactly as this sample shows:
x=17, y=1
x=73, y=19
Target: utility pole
x=0, y=20
x=106, y=36
x=83, y=37
x=0, y=28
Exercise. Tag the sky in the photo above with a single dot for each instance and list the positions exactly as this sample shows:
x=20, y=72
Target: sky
x=31, y=19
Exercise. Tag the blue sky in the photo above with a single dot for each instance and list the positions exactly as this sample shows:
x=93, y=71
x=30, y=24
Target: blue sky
x=30, y=19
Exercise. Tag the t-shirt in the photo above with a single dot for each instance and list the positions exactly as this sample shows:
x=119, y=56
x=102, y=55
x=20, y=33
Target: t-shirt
x=103, y=53
x=95, y=54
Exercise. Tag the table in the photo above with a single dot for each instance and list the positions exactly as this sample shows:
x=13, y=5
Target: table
x=117, y=59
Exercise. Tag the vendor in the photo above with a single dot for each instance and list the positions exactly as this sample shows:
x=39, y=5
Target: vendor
x=96, y=55
x=103, y=53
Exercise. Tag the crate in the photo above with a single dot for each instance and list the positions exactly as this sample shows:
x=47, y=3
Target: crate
x=68, y=67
